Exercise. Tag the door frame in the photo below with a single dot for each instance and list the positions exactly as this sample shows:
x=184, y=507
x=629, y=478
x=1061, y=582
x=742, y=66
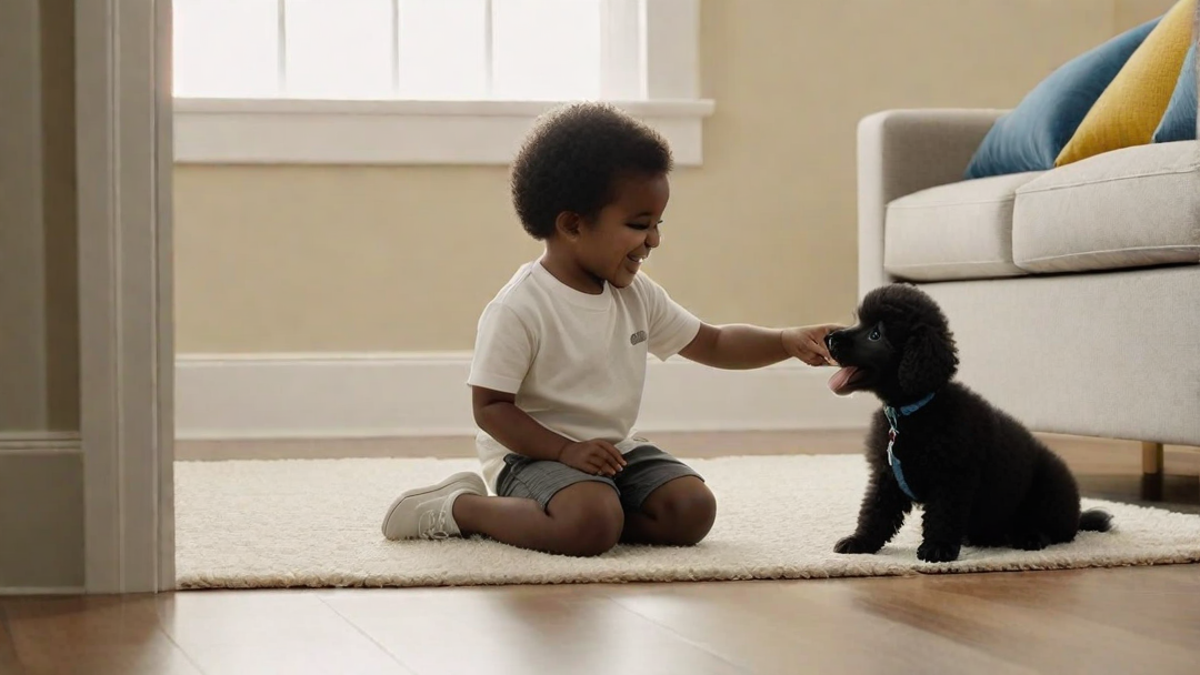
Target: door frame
x=124, y=158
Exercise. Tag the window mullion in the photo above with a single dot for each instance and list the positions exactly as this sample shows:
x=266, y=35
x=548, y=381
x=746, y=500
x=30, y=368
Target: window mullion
x=622, y=50
x=396, y=48
x=281, y=55
x=672, y=43
x=489, y=42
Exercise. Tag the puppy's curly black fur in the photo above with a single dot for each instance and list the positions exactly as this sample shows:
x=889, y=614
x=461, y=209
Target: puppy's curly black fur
x=982, y=478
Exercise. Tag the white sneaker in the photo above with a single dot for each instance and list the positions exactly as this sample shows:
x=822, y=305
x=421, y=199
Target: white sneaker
x=428, y=512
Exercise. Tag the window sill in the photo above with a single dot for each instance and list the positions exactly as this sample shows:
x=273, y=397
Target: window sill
x=288, y=131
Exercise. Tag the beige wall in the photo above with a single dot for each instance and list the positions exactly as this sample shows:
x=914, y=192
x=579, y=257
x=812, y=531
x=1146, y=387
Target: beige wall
x=41, y=495
x=274, y=259
x=1130, y=13
x=39, y=363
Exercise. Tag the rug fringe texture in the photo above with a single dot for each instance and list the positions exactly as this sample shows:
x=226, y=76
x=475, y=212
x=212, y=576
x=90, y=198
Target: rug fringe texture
x=315, y=523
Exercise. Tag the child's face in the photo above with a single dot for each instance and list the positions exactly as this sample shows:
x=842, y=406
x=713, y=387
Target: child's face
x=613, y=248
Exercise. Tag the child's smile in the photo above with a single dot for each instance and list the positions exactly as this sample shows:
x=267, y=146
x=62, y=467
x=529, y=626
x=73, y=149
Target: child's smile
x=628, y=227
x=612, y=246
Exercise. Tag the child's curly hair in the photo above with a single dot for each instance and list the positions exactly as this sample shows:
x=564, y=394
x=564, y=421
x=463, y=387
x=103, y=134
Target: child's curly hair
x=573, y=156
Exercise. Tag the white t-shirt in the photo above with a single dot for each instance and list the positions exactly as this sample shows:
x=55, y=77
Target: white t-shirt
x=576, y=362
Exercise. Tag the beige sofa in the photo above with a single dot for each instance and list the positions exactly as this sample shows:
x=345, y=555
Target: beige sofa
x=1074, y=294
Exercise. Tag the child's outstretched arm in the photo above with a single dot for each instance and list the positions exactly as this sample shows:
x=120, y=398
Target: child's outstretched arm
x=743, y=346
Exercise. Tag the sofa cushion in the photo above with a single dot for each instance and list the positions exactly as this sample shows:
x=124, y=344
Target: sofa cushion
x=1179, y=122
x=1133, y=207
x=958, y=231
x=1133, y=104
x=1031, y=136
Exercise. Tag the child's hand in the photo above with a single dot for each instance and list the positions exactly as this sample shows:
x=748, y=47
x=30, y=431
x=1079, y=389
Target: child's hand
x=596, y=457
x=807, y=343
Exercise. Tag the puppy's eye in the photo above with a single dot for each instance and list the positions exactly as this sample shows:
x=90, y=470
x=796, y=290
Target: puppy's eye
x=874, y=335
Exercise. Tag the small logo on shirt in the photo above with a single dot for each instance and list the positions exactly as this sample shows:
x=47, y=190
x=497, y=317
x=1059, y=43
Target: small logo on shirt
x=637, y=337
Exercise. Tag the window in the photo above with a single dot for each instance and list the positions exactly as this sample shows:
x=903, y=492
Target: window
x=388, y=49
x=421, y=81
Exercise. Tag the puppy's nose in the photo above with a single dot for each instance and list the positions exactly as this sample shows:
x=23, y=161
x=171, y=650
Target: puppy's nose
x=836, y=343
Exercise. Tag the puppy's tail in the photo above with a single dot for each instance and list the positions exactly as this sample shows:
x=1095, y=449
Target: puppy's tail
x=1095, y=520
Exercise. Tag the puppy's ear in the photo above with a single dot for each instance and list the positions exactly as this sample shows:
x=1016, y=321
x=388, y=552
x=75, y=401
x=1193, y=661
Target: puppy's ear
x=930, y=359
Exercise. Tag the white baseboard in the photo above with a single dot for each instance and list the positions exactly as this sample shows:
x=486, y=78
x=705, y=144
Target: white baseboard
x=40, y=443
x=425, y=394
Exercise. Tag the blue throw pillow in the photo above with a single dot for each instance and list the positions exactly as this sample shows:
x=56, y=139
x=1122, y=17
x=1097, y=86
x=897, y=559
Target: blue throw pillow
x=1030, y=136
x=1179, y=122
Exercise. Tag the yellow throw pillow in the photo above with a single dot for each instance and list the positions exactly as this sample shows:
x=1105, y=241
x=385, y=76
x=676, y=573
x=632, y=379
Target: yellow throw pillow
x=1132, y=105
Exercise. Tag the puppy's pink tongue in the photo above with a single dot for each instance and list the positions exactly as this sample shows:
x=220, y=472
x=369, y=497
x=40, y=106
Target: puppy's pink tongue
x=840, y=379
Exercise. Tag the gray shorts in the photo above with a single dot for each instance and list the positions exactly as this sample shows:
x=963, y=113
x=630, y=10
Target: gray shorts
x=646, y=469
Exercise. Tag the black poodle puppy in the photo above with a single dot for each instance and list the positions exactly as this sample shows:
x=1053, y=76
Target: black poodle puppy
x=982, y=478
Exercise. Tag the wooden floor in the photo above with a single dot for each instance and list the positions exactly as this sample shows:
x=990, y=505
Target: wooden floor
x=1130, y=620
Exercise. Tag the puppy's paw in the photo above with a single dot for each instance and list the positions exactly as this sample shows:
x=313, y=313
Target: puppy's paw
x=854, y=544
x=937, y=552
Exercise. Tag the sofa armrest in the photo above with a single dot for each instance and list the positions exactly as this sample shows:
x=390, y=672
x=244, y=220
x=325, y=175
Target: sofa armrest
x=905, y=151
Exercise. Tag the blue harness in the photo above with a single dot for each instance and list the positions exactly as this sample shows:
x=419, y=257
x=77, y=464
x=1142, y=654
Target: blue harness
x=893, y=417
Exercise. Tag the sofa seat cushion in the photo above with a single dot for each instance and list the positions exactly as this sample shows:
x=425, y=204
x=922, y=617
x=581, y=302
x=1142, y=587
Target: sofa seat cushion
x=1134, y=207
x=958, y=231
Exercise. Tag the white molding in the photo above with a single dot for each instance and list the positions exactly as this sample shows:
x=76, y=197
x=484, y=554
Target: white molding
x=126, y=360
x=41, y=590
x=39, y=443
x=291, y=131
x=162, y=327
x=425, y=394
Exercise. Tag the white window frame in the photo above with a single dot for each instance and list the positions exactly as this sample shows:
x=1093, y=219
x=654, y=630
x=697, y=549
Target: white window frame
x=650, y=68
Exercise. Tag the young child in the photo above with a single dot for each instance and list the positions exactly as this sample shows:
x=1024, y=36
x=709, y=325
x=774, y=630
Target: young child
x=560, y=359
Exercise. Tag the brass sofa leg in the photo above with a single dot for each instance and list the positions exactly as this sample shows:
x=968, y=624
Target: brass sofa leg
x=1152, y=458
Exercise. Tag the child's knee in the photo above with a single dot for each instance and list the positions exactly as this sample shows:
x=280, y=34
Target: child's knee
x=595, y=530
x=590, y=526
x=699, y=512
x=688, y=514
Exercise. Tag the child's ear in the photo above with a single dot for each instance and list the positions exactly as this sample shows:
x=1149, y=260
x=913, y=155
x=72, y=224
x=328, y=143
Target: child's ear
x=568, y=224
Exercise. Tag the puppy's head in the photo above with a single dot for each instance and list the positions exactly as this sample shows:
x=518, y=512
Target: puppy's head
x=901, y=348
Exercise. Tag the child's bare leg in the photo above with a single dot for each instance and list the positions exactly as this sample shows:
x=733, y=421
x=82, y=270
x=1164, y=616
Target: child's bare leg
x=680, y=512
x=583, y=519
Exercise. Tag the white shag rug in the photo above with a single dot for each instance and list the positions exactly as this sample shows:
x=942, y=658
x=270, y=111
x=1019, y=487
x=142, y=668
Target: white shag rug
x=315, y=523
